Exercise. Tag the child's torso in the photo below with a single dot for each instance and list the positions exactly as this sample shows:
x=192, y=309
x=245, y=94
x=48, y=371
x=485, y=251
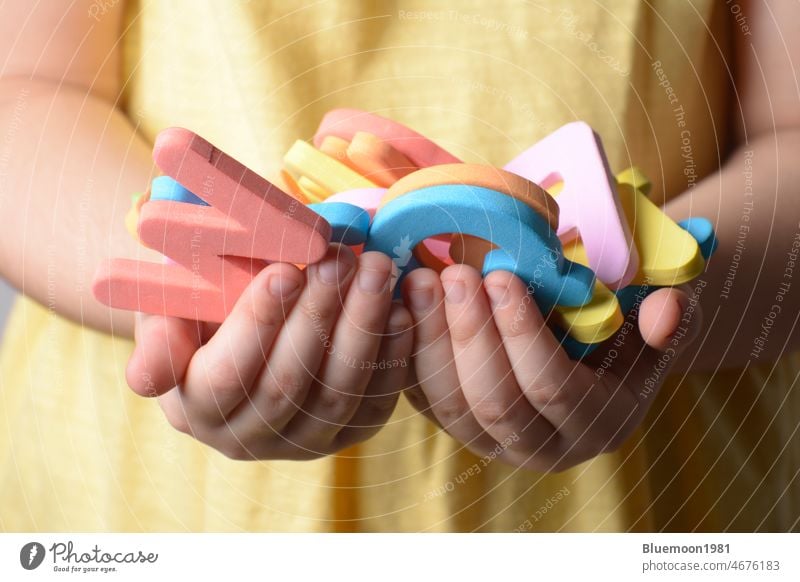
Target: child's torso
x=79, y=451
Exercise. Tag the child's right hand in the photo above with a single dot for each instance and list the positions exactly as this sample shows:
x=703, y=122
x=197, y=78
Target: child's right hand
x=306, y=364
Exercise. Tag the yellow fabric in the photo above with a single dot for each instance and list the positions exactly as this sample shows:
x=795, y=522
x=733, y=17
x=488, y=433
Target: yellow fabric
x=79, y=452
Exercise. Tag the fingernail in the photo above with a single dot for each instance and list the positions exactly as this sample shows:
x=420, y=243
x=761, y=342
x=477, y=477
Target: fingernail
x=498, y=296
x=454, y=291
x=421, y=298
x=281, y=287
x=333, y=271
x=371, y=281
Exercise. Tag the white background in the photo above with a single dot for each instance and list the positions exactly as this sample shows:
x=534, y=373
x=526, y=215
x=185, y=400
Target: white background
x=404, y=557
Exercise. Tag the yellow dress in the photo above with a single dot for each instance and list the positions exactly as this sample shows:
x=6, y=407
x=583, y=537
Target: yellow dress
x=78, y=451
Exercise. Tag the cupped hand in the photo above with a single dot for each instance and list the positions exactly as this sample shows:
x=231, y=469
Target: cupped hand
x=492, y=374
x=307, y=363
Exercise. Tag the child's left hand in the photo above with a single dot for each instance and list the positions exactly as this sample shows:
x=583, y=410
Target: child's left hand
x=490, y=372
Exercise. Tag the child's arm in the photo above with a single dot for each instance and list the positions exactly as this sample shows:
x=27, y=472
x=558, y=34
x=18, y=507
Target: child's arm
x=492, y=374
x=757, y=224
x=293, y=377
x=69, y=159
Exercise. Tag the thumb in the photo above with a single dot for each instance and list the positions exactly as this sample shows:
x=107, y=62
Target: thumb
x=670, y=317
x=648, y=345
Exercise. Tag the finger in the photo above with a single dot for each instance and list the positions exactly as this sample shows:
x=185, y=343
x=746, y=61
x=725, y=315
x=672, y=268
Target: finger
x=223, y=370
x=633, y=370
x=661, y=326
x=535, y=354
x=487, y=380
x=164, y=347
x=295, y=359
x=416, y=397
x=660, y=316
x=346, y=367
x=387, y=381
x=669, y=320
x=563, y=391
x=434, y=364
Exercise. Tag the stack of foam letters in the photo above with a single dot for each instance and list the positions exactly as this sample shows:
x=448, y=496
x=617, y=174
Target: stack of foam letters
x=588, y=244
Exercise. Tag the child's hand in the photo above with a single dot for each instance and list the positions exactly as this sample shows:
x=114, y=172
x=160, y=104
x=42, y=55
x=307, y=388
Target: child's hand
x=492, y=374
x=305, y=365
